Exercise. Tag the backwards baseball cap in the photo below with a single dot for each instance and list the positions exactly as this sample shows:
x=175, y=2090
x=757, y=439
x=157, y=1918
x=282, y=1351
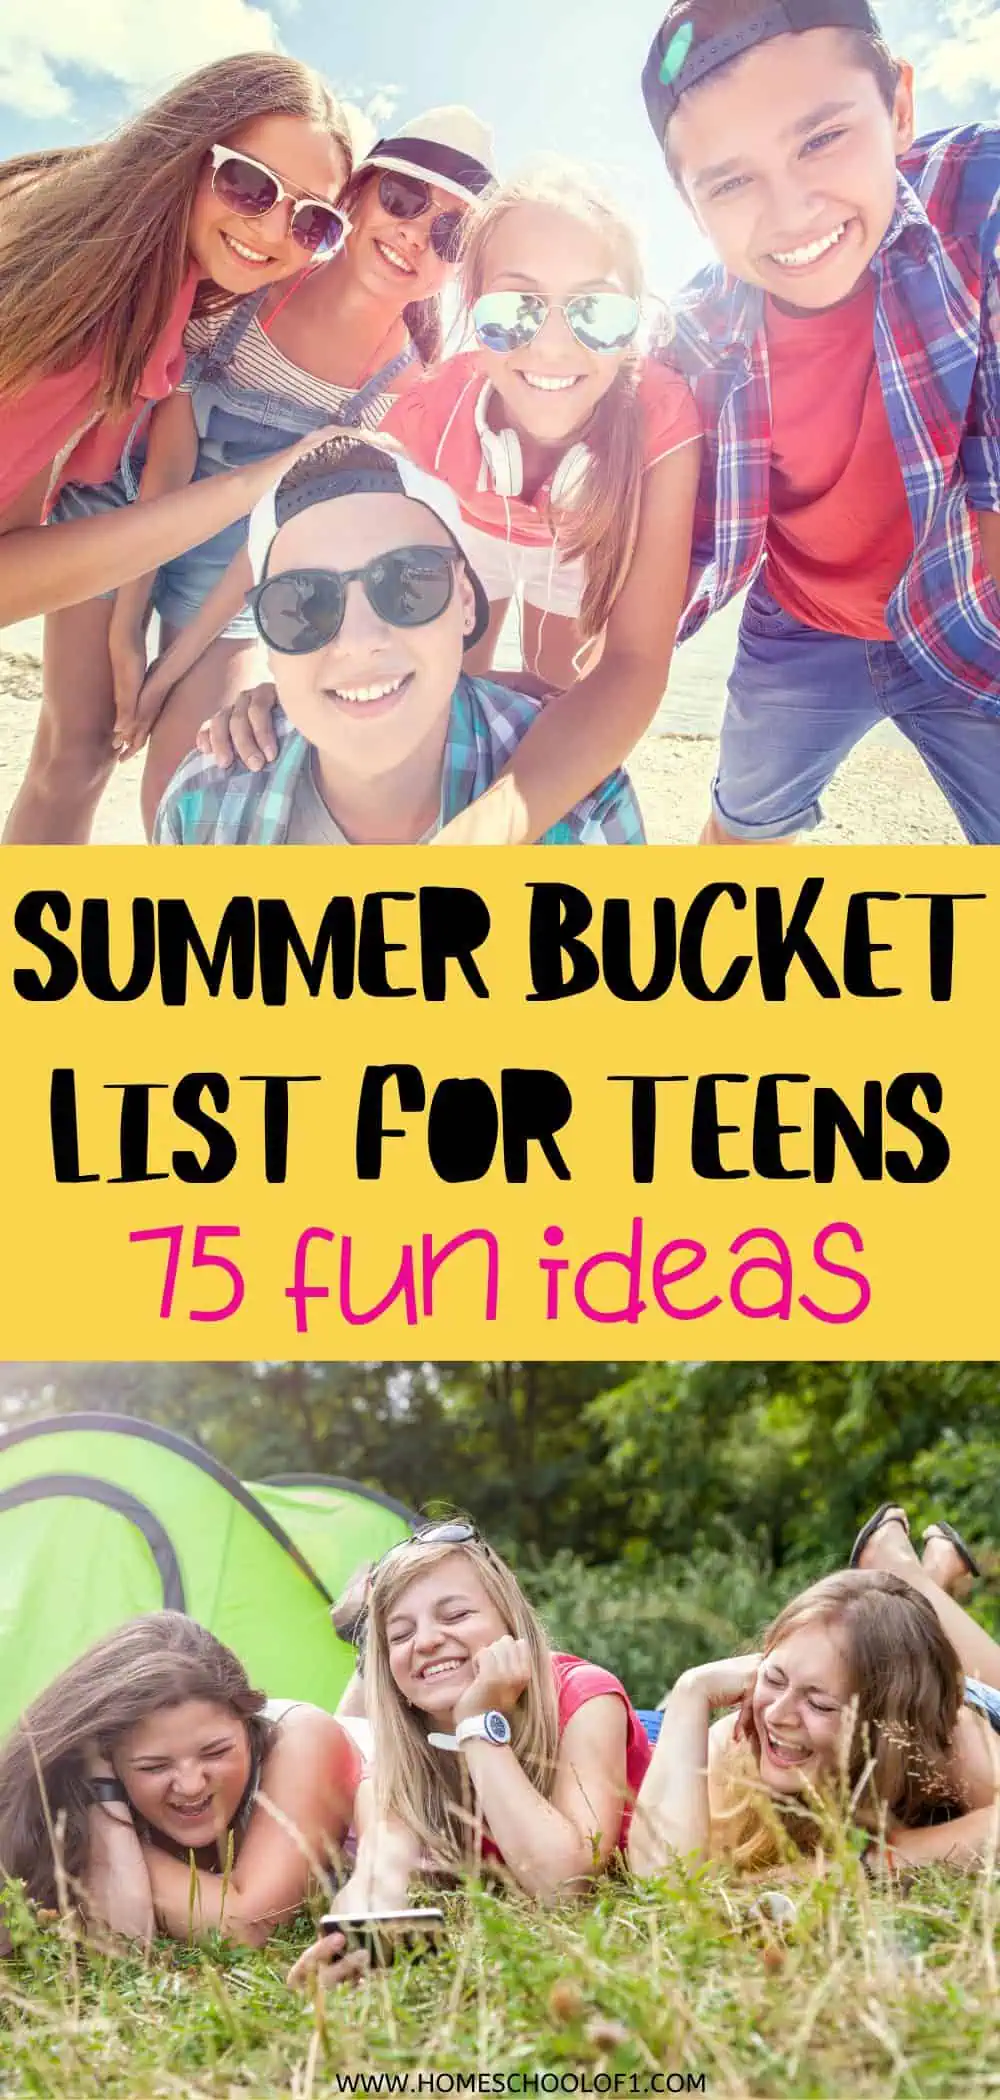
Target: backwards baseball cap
x=350, y=466
x=679, y=57
x=448, y=147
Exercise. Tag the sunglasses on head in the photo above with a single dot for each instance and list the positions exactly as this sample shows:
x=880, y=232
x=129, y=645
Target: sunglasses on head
x=300, y=610
x=251, y=189
x=406, y=197
x=449, y=1531
x=604, y=321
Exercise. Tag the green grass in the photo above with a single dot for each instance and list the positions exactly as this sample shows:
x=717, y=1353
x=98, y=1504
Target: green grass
x=870, y=1992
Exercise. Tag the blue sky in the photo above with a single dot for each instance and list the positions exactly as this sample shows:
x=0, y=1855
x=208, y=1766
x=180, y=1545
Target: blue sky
x=549, y=75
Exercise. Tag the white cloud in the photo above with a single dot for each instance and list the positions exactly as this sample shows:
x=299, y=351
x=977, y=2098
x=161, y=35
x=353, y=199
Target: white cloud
x=119, y=41
x=967, y=57
x=954, y=46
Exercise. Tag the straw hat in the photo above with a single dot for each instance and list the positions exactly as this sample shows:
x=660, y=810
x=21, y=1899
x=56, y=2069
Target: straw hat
x=448, y=147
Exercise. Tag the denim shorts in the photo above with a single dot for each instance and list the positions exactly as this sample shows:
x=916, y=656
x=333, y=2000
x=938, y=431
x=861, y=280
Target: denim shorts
x=183, y=585
x=799, y=701
x=78, y=500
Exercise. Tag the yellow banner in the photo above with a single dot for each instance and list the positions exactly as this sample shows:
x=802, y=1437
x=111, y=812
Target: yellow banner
x=552, y=1103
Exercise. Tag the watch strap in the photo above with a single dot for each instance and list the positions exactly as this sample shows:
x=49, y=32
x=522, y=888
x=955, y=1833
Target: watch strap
x=476, y=1728
x=107, y=1790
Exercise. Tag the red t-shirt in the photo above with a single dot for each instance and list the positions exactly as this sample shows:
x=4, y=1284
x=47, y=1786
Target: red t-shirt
x=576, y=1683
x=55, y=420
x=839, y=534
x=435, y=422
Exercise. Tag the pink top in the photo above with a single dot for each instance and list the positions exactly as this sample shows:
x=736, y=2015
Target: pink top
x=435, y=422
x=576, y=1683
x=56, y=423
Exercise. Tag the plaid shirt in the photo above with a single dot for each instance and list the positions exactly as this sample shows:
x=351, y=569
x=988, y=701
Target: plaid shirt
x=206, y=807
x=937, y=346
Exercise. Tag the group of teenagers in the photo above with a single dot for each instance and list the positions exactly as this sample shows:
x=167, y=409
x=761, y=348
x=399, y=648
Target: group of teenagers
x=224, y=399
x=151, y=1790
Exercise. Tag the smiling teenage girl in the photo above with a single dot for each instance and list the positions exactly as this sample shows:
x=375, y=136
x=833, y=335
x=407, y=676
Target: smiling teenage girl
x=91, y=336
x=875, y=1695
x=487, y=1745
x=577, y=467
x=159, y=1761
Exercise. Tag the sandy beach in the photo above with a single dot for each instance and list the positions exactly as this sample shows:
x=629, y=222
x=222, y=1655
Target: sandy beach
x=882, y=796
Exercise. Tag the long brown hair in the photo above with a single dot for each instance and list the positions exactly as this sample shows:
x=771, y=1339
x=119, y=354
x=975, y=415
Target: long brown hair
x=600, y=527
x=93, y=239
x=907, y=1688
x=158, y=1660
x=422, y=316
x=422, y=1786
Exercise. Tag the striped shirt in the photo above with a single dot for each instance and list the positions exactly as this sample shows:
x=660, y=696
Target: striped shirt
x=204, y=806
x=937, y=349
x=257, y=362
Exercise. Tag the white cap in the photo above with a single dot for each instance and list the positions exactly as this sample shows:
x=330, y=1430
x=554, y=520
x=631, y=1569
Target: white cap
x=448, y=147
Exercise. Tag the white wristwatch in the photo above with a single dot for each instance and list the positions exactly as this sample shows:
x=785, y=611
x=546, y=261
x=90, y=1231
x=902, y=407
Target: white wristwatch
x=490, y=1727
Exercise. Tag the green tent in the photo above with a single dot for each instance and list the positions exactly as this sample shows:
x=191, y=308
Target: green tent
x=103, y=1517
x=336, y=1525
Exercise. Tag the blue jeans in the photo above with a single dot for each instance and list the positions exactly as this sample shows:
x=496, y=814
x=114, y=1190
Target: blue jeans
x=986, y=1698
x=799, y=701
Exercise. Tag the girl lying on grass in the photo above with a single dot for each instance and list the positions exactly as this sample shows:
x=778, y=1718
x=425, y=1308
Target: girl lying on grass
x=875, y=1695
x=163, y=1794
x=490, y=1750
x=575, y=461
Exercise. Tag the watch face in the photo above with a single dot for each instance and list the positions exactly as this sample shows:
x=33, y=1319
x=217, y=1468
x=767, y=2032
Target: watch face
x=497, y=1727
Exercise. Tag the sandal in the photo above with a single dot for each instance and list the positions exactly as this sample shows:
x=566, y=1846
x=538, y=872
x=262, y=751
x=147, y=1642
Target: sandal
x=875, y=1524
x=955, y=1539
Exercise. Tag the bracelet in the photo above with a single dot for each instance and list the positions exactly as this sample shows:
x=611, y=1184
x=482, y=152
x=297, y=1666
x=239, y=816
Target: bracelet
x=107, y=1790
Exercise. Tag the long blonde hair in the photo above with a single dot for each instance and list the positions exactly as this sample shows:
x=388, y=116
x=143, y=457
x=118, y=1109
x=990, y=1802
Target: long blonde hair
x=907, y=1688
x=423, y=1786
x=93, y=239
x=600, y=526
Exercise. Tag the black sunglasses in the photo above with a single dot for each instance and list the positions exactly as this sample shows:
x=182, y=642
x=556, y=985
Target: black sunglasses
x=300, y=610
x=252, y=189
x=406, y=197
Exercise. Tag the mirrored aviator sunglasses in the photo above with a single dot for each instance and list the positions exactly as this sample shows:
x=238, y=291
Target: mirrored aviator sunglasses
x=601, y=321
x=447, y=1531
x=406, y=197
x=301, y=610
x=251, y=190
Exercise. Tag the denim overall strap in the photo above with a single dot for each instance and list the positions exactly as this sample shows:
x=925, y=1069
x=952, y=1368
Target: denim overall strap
x=380, y=382
x=231, y=334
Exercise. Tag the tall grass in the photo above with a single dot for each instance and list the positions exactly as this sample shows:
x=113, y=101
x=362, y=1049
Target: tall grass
x=869, y=1992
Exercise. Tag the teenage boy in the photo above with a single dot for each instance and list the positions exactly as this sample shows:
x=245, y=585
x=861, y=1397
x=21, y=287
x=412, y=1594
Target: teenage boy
x=365, y=601
x=845, y=354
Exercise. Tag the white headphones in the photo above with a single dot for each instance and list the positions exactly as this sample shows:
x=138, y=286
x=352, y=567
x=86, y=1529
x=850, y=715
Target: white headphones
x=503, y=465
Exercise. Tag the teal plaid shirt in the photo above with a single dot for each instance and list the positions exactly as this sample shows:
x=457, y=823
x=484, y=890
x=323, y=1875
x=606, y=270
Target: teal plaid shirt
x=205, y=807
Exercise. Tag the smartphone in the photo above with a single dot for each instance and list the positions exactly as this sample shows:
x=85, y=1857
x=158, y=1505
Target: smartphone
x=381, y=1931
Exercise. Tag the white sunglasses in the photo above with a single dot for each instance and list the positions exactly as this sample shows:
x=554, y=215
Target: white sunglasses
x=252, y=189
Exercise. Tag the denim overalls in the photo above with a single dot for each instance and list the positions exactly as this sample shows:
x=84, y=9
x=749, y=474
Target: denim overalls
x=236, y=425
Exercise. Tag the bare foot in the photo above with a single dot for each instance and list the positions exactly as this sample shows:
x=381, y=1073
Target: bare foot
x=944, y=1564
x=890, y=1546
